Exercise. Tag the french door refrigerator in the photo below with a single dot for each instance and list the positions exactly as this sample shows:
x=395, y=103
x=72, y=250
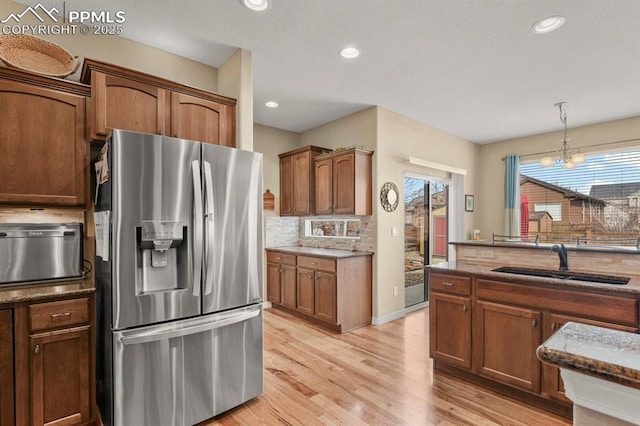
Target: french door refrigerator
x=178, y=280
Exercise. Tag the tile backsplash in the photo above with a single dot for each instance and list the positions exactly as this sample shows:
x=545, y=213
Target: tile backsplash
x=289, y=231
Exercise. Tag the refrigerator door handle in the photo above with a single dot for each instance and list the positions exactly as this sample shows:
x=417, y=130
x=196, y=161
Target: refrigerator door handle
x=165, y=335
x=197, y=227
x=208, y=232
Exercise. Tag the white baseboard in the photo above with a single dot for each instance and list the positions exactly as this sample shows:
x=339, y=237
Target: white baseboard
x=399, y=314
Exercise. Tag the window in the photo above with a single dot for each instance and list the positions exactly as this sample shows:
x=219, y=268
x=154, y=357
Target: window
x=598, y=200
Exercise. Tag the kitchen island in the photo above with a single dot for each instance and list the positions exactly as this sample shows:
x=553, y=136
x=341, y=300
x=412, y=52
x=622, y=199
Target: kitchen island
x=327, y=286
x=601, y=371
x=485, y=326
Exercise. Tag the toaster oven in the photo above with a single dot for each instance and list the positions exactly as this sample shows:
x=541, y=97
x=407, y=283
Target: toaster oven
x=40, y=251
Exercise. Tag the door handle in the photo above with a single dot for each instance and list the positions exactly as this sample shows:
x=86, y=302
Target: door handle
x=170, y=334
x=208, y=227
x=197, y=227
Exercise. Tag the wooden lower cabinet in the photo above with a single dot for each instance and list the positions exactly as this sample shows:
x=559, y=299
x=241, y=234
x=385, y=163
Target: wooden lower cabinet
x=450, y=324
x=507, y=339
x=54, y=362
x=6, y=368
x=325, y=297
x=334, y=292
x=306, y=291
x=495, y=344
x=60, y=377
x=281, y=279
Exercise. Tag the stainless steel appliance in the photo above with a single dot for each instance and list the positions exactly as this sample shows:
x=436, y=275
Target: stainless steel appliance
x=40, y=251
x=180, y=314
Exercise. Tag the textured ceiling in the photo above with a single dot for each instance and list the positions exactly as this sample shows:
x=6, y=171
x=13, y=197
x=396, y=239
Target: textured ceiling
x=472, y=68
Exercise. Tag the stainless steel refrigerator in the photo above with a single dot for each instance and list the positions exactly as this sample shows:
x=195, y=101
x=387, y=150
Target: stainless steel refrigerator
x=179, y=280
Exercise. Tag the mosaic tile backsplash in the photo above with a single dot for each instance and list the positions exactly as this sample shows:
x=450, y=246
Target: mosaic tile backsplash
x=289, y=231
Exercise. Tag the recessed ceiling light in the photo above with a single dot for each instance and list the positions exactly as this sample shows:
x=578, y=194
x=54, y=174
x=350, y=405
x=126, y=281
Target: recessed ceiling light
x=271, y=104
x=547, y=25
x=349, y=53
x=257, y=5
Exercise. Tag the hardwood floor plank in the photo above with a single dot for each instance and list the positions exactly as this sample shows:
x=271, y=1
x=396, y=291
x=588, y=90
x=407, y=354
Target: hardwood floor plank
x=375, y=375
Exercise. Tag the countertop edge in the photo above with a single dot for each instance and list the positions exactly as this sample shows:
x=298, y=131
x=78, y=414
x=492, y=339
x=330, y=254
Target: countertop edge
x=43, y=291
x=632, y=288
x=312, y=251
x=546, y=246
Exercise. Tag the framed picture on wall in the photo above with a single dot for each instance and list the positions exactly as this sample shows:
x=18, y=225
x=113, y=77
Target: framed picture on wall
x=468, y=203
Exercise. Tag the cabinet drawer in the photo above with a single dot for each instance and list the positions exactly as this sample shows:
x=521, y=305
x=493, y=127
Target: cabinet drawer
x=450, y=284
x=276, y=257
x=59, y=314
x=317, y=263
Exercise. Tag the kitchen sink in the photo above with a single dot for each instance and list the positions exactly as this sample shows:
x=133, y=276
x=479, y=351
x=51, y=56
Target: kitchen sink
x=564, y=275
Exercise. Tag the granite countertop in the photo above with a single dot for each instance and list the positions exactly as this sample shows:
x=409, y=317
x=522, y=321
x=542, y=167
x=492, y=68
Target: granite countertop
x=40, y=290
x=320, y=252
x=632, y=287
x=546, y=246
x=599, y=352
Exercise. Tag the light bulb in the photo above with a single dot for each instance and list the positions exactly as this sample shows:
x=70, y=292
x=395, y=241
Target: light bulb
x=546, y=161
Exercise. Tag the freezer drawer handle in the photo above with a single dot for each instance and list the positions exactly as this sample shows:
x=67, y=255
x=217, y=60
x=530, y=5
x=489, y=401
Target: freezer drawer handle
x=153, y=337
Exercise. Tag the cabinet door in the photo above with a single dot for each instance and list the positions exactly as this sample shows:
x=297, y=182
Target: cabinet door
x=324, y=186
x=6, y=369
x=325, y=297
x=305, y=291
x=286, y=186
x=60, y=377
x=42, y=145
x=202, y=120
x=302, y=184
x=273, y=283
x=288, y=285
x=121, y=103
x=450, y=329
x=553, y=386
x=507, y=340
x=344, y=184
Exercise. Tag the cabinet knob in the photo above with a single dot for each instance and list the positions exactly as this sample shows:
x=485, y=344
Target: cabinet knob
x=464, y=308
x=447, y=284
x=61, y=315
x=553, y=325
x=36, y=350
x=534, y=322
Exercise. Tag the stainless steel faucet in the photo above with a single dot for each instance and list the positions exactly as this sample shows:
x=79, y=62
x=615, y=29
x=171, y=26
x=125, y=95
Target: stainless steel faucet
x=562, y=254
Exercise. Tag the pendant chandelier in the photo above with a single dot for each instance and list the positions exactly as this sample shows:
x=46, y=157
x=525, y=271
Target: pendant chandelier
x=568, y=158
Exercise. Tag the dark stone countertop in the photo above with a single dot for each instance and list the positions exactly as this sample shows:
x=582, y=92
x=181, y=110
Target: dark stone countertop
x=35, y=291
x=632, y=287
x=320, y=252
x=599, y=352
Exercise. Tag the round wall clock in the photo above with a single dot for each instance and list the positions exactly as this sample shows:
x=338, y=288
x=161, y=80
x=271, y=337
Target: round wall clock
x=389, y=196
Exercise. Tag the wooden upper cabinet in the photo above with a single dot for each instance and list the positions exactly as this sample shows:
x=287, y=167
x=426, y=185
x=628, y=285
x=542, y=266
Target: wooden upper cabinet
x=130, y=100
x=43, y=155
x=202, y=120
x=121, y=103
x=324, y=189
x=297, y=181
x=343, y=182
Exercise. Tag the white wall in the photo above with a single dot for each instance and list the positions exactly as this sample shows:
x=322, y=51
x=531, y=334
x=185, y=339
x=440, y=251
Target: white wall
x=235, y=80
x=490, y=197
x=271, y=142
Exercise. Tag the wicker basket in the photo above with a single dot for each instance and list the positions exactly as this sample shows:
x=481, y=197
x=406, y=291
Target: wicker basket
x=37, y=56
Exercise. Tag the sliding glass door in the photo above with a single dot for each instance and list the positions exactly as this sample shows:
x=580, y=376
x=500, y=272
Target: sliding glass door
x=426, y=232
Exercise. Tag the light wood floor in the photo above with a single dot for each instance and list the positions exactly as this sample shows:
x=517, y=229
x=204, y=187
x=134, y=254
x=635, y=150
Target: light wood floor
x=371, y=376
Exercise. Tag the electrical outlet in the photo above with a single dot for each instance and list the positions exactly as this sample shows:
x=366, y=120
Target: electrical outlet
x=395, y=290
